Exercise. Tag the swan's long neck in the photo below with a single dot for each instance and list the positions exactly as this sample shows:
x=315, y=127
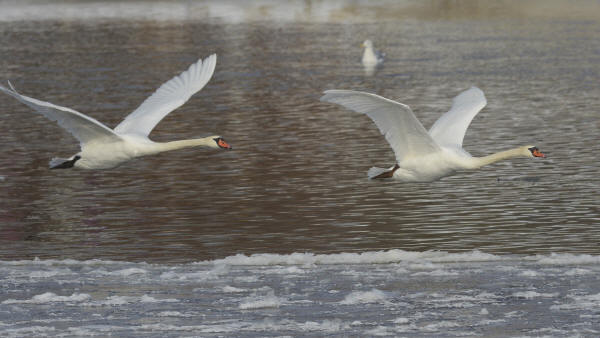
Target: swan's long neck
x=174, y=145
x=478, y=162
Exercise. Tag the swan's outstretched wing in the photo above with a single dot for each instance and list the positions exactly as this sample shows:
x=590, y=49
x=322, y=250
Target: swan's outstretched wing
x=396, y=121
x=169, y=96
x=83, y=127
x=449, y=130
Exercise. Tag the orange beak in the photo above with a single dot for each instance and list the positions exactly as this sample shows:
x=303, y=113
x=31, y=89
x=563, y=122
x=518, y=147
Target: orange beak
x=538, y=153
x=221, y=143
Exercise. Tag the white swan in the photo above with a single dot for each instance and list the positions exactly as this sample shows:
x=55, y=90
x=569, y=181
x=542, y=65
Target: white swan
x=424, y=156
x=371, y=57
x=103, y=148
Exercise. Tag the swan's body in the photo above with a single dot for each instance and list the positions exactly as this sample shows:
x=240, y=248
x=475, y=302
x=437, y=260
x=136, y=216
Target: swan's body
x=424, y=156
x=103, y=148
x=371, y=57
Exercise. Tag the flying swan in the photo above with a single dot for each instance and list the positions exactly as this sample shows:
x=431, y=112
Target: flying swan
x=104, y=148
x=424, y=156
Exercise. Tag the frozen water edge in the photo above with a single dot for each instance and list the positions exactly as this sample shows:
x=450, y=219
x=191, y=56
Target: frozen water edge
x=379, y=293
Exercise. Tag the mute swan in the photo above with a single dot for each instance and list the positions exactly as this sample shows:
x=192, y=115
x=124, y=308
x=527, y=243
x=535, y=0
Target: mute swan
x=371, y=57
x=424, y=156
x=103, y=148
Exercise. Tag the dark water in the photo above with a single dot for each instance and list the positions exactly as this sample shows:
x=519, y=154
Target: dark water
x=296, y=180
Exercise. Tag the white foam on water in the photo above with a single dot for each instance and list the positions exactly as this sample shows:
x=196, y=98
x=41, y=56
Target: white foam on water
x=362, y=297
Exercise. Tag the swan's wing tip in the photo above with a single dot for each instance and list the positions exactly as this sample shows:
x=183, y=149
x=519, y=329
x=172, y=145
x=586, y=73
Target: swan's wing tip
x=11, y=86
x=473, y=94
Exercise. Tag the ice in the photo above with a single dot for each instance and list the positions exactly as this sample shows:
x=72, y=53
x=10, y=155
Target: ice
x=260, y=302
x=533, y=294
x=326, y=326
x=360, y=297
x=30, y=331
x=577, y=272
x=529, y=273
x=436, y=273
x=232, y=289
x=568, y=259
x=50, y=297
x=227, y=11
x=128, y=272
x=579, y=302
x=49, y=273
x=150, y=299
x=442, y=325
x=422, y=259
x=388, y=293
x=172, y=314
x=123, y=300
x=401, y=321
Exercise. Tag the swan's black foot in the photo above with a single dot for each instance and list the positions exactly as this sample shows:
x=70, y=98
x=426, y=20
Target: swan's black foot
x=63, y=163
x=387, y=174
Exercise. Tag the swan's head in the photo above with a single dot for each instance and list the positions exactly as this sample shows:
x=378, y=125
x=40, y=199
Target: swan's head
x=221, y=143
x=367, y=44
x=533, y=151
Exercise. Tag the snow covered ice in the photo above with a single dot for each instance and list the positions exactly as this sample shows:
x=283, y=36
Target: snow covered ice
x=377, y=293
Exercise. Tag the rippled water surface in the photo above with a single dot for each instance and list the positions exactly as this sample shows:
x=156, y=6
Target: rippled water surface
x=296, y=179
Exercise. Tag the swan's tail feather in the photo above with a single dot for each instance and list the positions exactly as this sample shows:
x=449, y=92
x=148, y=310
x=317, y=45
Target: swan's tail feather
x=375, y=172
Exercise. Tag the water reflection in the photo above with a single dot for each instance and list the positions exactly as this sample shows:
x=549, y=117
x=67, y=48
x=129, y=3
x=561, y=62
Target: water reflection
x=296, y=180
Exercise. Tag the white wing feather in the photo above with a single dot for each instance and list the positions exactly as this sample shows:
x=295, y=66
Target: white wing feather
x=83, y=127
x=405, y=134
x=169, y=96
x=450, y=129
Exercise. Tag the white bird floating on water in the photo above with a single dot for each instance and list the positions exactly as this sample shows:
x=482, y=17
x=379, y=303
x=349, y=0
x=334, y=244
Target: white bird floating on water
x=103, y=148
x=424, y=156
x=371, y=57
